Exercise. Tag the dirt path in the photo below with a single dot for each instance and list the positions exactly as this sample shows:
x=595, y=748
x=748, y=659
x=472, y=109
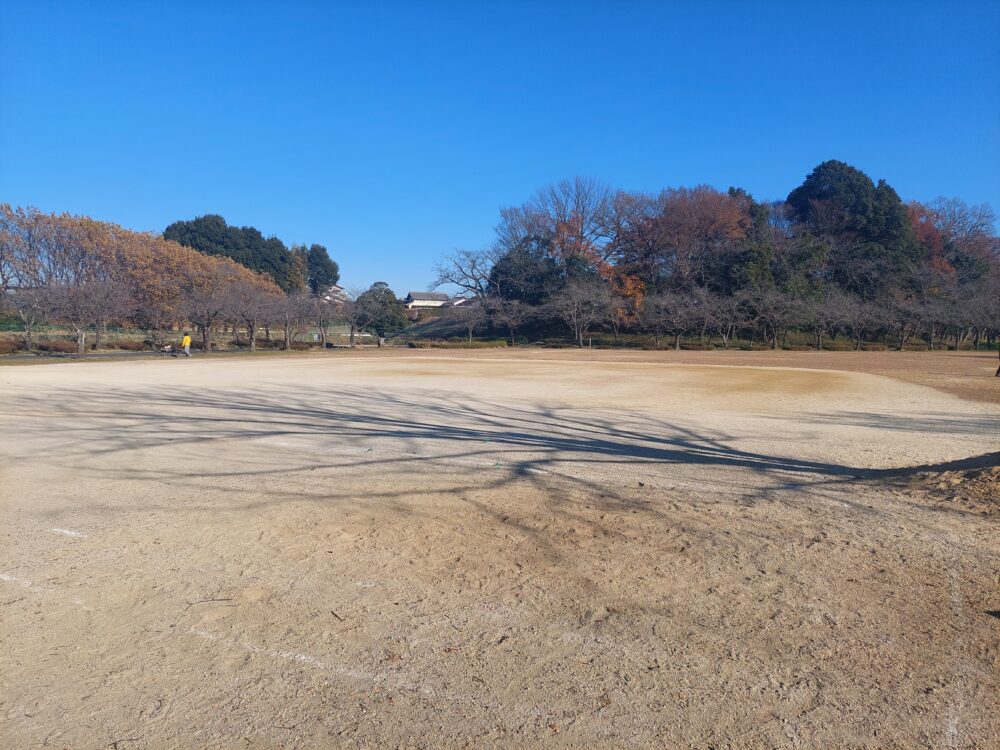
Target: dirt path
x=490, y=551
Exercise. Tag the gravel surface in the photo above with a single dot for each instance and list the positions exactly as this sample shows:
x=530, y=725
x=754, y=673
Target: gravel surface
x=497, y=549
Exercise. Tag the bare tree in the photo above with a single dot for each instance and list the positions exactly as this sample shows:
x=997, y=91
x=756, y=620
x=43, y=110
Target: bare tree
x=470, y=315
x=322, y=312
x=903, y=317
x=580, y=304
x=777, y=311
x=84, y=304
x=293, y=310
x=509, y=313
x=30, y=304
x=208, y=299
x=353, y=315
x=979, y=308
x=31, y=245
x=576, y=216
x=989, y=313
x=466, y=269
x=10, y=236
x=859, y=316
x=823, y=314
x=666, y=313
x=82, y=289
x=726, y=315
x=701, y=311
x=969, y=227
x=618, y=312
x=248, y=304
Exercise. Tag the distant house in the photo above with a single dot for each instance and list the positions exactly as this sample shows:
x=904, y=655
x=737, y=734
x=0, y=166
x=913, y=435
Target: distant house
x=426, y=299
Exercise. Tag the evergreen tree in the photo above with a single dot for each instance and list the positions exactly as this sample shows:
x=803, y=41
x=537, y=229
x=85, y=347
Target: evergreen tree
x=323, y=272
x=246, y=245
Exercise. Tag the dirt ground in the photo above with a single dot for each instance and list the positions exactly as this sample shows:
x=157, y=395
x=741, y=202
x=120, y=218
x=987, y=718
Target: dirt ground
x=501, y=549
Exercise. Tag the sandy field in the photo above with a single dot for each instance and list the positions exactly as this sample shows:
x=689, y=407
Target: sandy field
x=499, y=549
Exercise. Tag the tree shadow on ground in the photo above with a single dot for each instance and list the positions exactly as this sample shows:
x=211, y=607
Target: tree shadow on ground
x=352, y=429
x=628, y=478
x=923, y=423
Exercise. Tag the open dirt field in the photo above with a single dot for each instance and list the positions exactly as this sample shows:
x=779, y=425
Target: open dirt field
x=495, y=549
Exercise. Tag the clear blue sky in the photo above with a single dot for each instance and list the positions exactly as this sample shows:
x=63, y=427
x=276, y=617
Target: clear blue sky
x=392, y=133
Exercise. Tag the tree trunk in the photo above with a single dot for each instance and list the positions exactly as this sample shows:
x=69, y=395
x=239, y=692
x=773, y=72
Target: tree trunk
x=677, y=342
x=352, y=336
x=322, y=336
x=252, y=335
x=206, y=339
x=998, y=368
x=29, y=329
x=512, y=336
x=288, y=336
x=267, y=334
x=97, y=336
x=81, y=340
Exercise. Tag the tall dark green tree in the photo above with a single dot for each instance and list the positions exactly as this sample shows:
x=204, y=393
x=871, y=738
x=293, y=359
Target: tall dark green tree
x=323, y=272
x=527, y=272
x=835, y=199
x=246, y=245
x=871, y=243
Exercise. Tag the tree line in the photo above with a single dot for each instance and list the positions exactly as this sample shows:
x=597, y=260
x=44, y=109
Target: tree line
x=840, y=255
x=292, y=269
x=85, y=274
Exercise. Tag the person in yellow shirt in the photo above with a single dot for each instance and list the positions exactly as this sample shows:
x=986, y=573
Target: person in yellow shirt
x=186, y=344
